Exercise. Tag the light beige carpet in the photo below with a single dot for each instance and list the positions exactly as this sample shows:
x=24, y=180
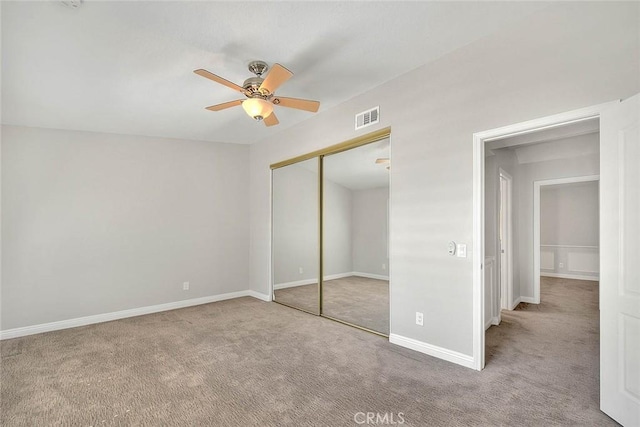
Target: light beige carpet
x=249, y=363
x=358, y=300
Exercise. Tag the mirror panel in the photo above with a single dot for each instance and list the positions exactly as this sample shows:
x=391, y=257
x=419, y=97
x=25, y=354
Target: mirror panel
x=355, y=236
x=295, y=242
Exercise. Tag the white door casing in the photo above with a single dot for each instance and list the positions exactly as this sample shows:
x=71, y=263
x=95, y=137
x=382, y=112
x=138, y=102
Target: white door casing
x=479, y=140
x=505, y=228
x=620, y=262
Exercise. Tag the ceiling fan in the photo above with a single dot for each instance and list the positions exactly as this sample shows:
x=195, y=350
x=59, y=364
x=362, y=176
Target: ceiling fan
x=384, y=161
x=260, y=93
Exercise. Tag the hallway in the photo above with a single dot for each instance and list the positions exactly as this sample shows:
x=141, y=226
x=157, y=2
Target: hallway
x=553, y=345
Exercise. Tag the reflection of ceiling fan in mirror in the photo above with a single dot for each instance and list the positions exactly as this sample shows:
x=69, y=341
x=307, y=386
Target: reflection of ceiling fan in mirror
x=260, y=93
x=384, y=161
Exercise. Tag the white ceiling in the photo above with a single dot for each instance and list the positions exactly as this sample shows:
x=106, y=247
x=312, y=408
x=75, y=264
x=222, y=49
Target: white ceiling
x=126, y=67
x=356, y=169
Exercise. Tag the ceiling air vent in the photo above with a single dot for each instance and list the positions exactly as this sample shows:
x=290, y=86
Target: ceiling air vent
x=367, y=118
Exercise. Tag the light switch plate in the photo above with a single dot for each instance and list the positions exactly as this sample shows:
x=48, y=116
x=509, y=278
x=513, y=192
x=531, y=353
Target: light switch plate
x=462, y=250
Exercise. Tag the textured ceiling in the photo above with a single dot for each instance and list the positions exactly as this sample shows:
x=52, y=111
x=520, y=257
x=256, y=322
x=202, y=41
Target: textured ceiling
x=126, y=67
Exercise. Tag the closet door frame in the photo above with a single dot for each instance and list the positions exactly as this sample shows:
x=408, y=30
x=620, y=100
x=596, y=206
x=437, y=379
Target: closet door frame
x=359, y=141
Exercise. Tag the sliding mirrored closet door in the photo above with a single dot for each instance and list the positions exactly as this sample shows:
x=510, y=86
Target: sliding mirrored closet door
x=355, y=188
x=330, y=222
x=295, y=235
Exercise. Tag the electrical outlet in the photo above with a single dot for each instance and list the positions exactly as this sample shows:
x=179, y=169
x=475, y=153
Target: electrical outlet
x=185, y=286
x=384, y=266
x=419, y=319
x=561, y=265
x=300, y=270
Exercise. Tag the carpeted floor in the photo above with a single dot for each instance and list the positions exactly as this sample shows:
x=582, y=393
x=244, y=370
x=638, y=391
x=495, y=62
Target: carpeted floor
x=358, y=300
x=245, y=362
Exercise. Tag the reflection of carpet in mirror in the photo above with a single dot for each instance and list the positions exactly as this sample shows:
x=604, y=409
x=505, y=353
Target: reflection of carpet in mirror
x=303, y=296
x=358, y=300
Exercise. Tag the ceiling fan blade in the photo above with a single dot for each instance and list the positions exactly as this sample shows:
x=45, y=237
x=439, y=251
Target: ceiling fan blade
x=218, y=79
x=300, y=104
x=277, y=75
x=225, y=105
x=271, y=120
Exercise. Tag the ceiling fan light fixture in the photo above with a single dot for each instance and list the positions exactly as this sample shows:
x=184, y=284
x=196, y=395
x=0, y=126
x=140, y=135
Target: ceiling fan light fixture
x=257, y=108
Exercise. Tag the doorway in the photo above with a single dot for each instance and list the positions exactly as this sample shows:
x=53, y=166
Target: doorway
x=555, y=253
x=619, y=316
x=519, y=133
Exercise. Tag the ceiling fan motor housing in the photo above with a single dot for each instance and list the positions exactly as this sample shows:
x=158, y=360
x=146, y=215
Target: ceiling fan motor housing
x=258, y=67
x=252, y=86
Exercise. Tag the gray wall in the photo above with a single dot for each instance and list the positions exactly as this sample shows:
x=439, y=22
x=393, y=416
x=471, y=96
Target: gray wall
x=355, y=227
x=569, y=214
x=524, y=175
x=338, y=226
x=528, y=173
x=569, y=229
x=370, y=231
x=95, y=223
x=295, y=224
x=568, y=56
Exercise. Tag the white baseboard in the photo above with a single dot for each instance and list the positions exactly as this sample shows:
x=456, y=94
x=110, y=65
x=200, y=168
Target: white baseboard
x=338, y=276
x=107, y=317
x=515, y=303
x=432, y=350
x=370, y=276
x=528, y=300
x=493, y=321
x=327, y=278
x=259, y=295
x=294, y=284
x=571, y=276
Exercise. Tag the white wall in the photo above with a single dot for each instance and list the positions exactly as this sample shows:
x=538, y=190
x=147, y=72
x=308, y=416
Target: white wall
x=569, y=229
x=370, y=231
x=568, y=56
x=95, y=223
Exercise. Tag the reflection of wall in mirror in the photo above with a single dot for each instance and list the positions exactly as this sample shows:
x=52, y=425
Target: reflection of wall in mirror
x=295, y=225
x=370, y=231
x=337, y=229
x=355, y=228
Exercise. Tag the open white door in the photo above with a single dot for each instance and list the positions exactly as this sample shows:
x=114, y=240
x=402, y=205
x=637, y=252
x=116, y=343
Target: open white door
x=620, y=262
